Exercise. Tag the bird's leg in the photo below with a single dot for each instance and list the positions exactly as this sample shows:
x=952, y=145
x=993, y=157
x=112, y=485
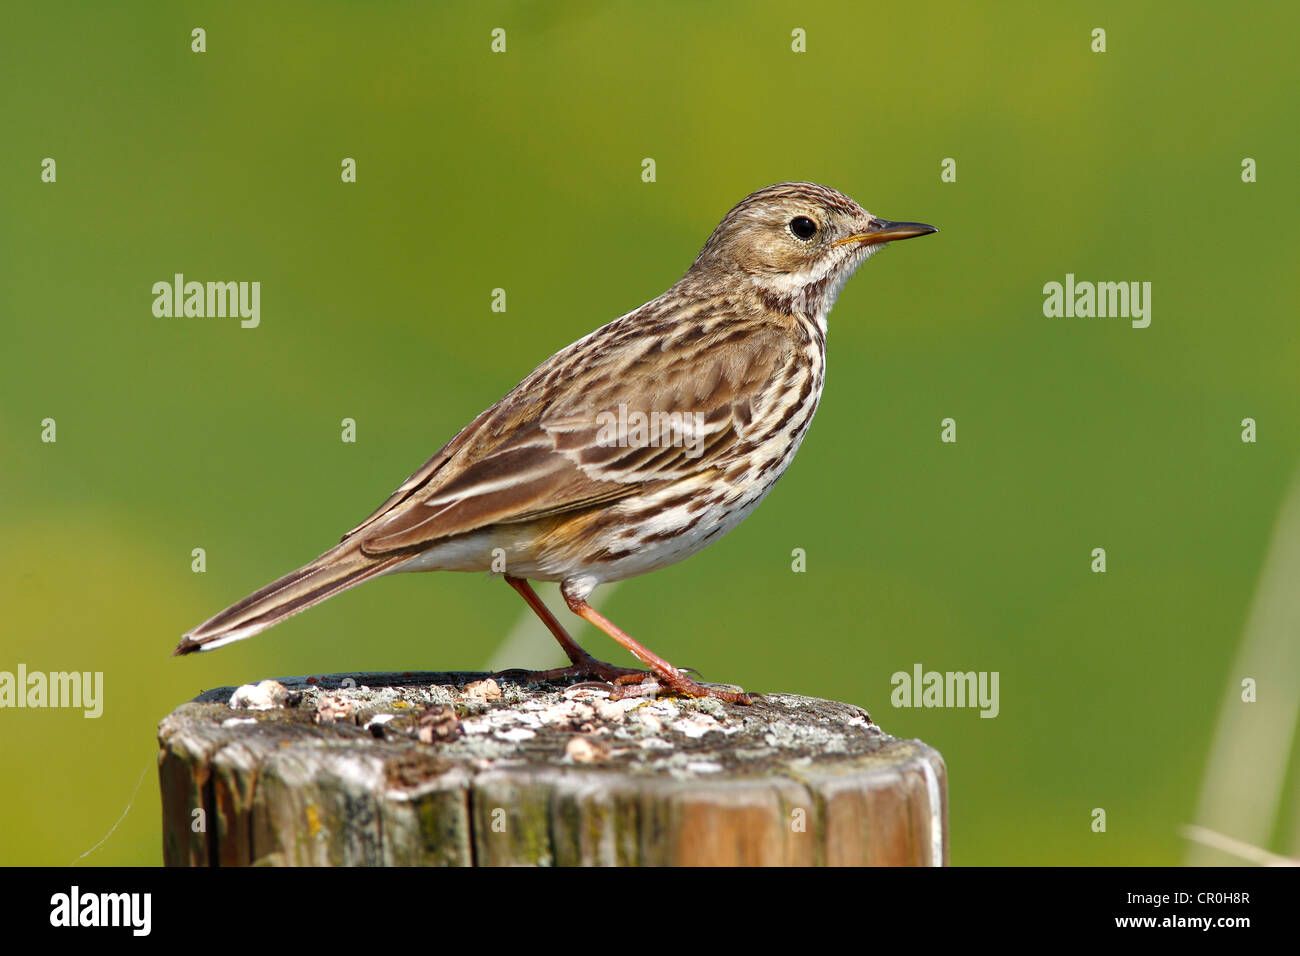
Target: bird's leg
x=666, y=674
x=584, y=665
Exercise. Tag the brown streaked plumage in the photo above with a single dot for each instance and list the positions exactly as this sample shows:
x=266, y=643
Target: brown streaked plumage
x=629, y=450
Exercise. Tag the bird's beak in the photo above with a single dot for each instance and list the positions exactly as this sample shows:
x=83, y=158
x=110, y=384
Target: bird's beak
x=882, y=230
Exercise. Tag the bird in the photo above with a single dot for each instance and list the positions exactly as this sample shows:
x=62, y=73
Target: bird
x=630, y=449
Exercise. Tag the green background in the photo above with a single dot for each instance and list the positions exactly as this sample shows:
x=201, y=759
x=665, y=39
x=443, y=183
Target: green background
x=523, y=171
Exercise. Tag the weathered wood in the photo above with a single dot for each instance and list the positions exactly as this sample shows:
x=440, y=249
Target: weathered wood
x=452, y=769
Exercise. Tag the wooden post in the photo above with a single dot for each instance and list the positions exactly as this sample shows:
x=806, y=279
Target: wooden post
x=462, y=769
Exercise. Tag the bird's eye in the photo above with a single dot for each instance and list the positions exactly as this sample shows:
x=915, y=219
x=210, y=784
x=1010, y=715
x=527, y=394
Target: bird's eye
x=803, y=227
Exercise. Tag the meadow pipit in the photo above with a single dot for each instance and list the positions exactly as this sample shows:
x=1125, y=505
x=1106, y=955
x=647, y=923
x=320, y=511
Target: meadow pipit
x=629, y=450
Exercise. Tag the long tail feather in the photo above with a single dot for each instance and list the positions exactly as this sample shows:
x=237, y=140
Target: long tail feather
x=332, y=572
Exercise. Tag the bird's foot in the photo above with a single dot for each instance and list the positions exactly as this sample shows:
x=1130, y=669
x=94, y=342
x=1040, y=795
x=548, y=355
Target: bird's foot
x=627, y=682
x=682, y=686
x=587, y=668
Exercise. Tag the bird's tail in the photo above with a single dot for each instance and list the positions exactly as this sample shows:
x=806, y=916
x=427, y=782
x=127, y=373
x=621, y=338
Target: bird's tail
x=334, y=571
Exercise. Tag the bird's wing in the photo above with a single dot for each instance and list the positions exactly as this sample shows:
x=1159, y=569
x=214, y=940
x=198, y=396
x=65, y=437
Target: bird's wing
x=555, y=443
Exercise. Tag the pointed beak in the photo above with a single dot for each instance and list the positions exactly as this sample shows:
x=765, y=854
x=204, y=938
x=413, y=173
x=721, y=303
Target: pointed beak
x=882, y=230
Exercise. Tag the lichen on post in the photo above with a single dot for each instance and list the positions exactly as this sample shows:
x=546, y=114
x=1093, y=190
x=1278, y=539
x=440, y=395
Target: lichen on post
x=463, y=769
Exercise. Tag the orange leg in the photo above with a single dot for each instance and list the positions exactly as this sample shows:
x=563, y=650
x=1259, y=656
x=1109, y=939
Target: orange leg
x=667, y=675
x=584, y=665
x=661, y=676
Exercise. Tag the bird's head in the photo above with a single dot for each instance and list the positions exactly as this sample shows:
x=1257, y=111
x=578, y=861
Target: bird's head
x=798, y=243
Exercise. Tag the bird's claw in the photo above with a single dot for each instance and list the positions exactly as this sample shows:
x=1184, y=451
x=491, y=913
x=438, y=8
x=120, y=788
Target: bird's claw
x=623, y=683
